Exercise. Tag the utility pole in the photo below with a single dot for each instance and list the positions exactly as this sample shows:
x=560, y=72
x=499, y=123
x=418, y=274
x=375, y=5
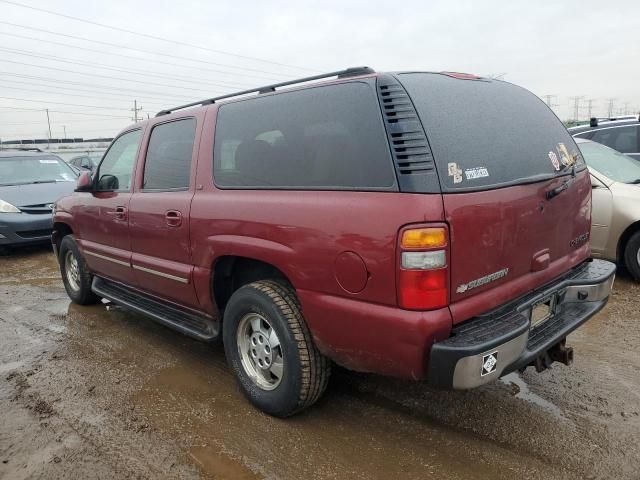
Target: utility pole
x=49, y=123
x=576, y=107
x=589, y=107
x=612, y=102
x=549, y=100
x=626, y=109
x=65, y=131
x=135, y=111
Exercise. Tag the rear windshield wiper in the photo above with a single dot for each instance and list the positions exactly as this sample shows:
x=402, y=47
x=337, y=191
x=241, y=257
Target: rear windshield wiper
x=554, y=192
x=45, y=181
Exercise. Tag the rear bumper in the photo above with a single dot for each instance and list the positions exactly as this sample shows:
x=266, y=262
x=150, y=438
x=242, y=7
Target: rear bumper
x=487, y=347
x=23, y=228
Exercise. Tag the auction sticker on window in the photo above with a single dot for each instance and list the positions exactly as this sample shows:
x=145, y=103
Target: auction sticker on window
x=477, y=172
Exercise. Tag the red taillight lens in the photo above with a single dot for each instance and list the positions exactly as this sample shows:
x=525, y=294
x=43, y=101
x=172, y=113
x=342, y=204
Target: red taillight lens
x=423, y=289
x=423, y=280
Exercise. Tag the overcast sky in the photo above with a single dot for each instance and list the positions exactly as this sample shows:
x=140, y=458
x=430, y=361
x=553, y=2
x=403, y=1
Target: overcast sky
x=565, y=49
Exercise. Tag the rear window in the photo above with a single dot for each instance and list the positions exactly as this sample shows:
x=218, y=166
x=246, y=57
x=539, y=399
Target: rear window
x=319, y=138
x=489, y=134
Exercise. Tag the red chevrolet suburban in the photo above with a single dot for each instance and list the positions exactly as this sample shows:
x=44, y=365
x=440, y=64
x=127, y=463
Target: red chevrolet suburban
x=422, y=225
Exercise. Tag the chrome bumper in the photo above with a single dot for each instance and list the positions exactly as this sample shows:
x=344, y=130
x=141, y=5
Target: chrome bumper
x=487, y=347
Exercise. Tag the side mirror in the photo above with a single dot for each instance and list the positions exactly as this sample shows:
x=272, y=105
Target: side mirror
x=84, y=182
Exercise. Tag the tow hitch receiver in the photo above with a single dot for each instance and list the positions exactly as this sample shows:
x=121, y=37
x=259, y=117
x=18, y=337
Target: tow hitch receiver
x=558, y=353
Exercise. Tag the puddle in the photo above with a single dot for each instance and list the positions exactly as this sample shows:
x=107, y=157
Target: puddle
x=524, y=393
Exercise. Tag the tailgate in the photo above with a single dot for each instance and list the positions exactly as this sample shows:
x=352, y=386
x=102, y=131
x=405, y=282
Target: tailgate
x=499, y=151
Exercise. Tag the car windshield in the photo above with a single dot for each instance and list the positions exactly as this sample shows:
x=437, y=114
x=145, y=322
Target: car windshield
x=41, y=169
x=611, y=163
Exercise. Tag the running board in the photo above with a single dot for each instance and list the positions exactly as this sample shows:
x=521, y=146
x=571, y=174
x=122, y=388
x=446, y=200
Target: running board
x=186, y=321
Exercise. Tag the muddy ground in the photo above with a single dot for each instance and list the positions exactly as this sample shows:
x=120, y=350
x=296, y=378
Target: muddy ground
x=98, y=392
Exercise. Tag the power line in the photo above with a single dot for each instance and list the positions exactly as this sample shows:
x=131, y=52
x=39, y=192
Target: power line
x=71, y=94
x=53, y=58
x=146, y=35
x=101, y=87
x=140, y=59
x=134, y=49
x=64, y=103
x=99, y=75
x=63, y=111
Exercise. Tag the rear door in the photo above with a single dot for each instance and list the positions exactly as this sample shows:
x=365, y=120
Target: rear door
x=499, y=151
x=159, y=213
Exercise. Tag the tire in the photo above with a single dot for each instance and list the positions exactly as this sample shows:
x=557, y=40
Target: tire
x=78, y=284
x=631, y=256
x=303, y=371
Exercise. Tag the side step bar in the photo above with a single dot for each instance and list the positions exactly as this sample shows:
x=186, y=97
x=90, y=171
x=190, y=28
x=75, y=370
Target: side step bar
x=186, y=321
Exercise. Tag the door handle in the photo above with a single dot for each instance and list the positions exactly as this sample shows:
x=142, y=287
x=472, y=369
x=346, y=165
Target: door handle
x=173, y=218
x=120, y=213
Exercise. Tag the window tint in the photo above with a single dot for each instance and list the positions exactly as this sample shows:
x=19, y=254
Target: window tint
x=117, y=165
x=325, y=138
x=168, y=164
x=623, y=139
x=487, y=134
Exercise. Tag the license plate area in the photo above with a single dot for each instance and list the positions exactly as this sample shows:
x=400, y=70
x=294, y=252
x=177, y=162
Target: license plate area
x=543, y=311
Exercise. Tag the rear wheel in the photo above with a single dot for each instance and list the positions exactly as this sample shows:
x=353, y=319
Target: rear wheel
x=632, y=256
x=269, y=348
x=75, y=273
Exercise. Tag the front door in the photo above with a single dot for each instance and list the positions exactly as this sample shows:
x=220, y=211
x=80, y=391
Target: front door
x=102, y=221
x=159, y=214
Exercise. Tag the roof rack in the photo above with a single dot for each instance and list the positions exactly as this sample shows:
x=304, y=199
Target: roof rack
x=593, y=121
x=349, y=72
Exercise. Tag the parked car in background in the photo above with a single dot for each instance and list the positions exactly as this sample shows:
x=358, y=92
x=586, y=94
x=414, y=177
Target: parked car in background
x=85, y=162
x=30, y=183
x=615, y=216
x=620, y=133
x=318, y=224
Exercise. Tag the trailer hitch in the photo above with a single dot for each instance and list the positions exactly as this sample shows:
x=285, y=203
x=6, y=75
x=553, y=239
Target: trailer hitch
x=558, y=353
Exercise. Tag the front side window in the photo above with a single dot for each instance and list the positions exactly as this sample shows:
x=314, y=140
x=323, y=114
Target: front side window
x=623, y=139
x=320, y=138
x=117, y=166
x=168, y=163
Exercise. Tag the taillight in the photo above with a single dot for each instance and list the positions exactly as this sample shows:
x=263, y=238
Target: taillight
x=424, y=277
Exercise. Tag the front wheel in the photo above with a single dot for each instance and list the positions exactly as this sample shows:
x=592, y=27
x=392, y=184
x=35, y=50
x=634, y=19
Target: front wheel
x=270, y=349
x=75, y=273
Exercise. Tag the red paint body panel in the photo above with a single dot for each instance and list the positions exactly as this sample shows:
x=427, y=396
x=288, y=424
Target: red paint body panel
x=316, y=237
x=507, y=228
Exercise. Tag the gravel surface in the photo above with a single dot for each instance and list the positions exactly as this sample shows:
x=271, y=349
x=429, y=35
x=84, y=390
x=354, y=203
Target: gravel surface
x=99, y=392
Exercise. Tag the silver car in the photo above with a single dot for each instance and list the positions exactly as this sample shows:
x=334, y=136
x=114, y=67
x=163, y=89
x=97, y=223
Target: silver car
x=615, y=218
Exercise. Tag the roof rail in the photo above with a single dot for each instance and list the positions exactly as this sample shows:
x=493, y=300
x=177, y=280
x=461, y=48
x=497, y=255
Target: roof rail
x=349, y=72
x=593, y=121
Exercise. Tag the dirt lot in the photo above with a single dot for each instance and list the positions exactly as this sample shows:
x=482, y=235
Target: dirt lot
x=98, y=392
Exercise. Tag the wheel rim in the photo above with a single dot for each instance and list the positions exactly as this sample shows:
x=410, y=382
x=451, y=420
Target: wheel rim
x=260, y=351
x=72, y=270
x=638, y=256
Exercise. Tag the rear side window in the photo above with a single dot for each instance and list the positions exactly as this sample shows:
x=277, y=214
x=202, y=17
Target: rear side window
x=168, y=163
x=488, y=134
x=320, y=138
x=622, y=139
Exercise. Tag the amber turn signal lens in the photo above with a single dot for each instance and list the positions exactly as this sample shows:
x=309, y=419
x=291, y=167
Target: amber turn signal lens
x=424, y=238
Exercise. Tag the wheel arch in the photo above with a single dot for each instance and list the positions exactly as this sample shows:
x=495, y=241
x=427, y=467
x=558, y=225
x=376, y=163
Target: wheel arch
x=624, y=239
x=230, y=272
